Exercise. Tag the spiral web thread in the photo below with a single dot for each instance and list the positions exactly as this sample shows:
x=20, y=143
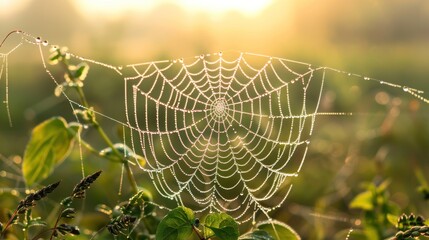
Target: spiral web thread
x=222, y=132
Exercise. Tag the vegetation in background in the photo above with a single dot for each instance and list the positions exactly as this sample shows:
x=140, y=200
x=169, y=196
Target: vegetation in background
x=387, y=40
x=50, y=144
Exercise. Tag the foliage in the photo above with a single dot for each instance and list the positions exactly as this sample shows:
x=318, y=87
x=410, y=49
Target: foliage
x=411, y=227
x=49, y=145
x=136, y=218
x=278, y=229
x=376, y=208
x=178, y=224
x=381, y=215
x=220, y=225
x=65, y=212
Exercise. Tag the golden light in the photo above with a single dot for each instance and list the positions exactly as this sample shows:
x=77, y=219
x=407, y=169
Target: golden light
x=220, y=6
x=112, y=9
x=10, y=7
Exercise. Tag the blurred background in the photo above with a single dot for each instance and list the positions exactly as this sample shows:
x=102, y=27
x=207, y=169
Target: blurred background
x=387, y=138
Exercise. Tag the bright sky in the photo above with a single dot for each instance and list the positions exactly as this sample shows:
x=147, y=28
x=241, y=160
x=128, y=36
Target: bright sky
x=115, y=8
x=9, y=7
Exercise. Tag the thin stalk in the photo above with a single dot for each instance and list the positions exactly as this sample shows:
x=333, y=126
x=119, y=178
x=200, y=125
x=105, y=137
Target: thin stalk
x=82, y=96
x=96, y=152
x=198, y=233
x=9, y=222
x=42, y=232
x=100, y=130
x=56, y=222
x=79, y=90
x=130, y=174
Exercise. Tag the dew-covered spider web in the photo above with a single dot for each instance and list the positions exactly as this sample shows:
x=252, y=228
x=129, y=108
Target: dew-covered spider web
x=224, y=132
x=224, y=129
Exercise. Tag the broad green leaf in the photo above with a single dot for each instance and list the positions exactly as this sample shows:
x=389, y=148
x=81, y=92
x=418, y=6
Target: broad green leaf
x=176, y=225
x=49, y=145
x=363, y=201
x=257, y=235
x=220, y=225
x=278, y=230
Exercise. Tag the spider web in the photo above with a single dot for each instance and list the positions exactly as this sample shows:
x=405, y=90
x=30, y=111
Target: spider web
x=224, y=132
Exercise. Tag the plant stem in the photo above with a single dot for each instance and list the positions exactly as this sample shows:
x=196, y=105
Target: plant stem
x=56, y=222
x=96, y=152
x=9, y=222
x=198, y=233
x=100, y=130
x=42, y=232
x=130, y=174
x=82, y=96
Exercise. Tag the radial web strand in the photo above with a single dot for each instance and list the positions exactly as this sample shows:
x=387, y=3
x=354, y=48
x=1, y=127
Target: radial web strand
x=224, y=132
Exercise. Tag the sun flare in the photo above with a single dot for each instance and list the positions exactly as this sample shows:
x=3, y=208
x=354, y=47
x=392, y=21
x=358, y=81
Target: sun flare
x=117, y=8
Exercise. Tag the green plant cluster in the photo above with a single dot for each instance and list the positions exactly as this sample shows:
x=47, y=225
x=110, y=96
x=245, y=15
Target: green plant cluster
x=23, y=217
x=51, y=143
x=411, y=227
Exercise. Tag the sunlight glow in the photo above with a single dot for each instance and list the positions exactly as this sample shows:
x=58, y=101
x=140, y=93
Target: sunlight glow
x=219, y=6
x=113, y=8
x=10, y=7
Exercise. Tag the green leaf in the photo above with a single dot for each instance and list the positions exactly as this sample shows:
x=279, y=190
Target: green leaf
x=220, y=225
x=68, y=213
x=257, y=235
x=49, y=145
x=125, y=151
x=58, y=55
x=278, y=230
x=55, y=57
x=393, y=219
x=383, y=186
x=59, y=89
x=37, y=222
x=81, y=71
x=363, y=201
x=176, y=225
